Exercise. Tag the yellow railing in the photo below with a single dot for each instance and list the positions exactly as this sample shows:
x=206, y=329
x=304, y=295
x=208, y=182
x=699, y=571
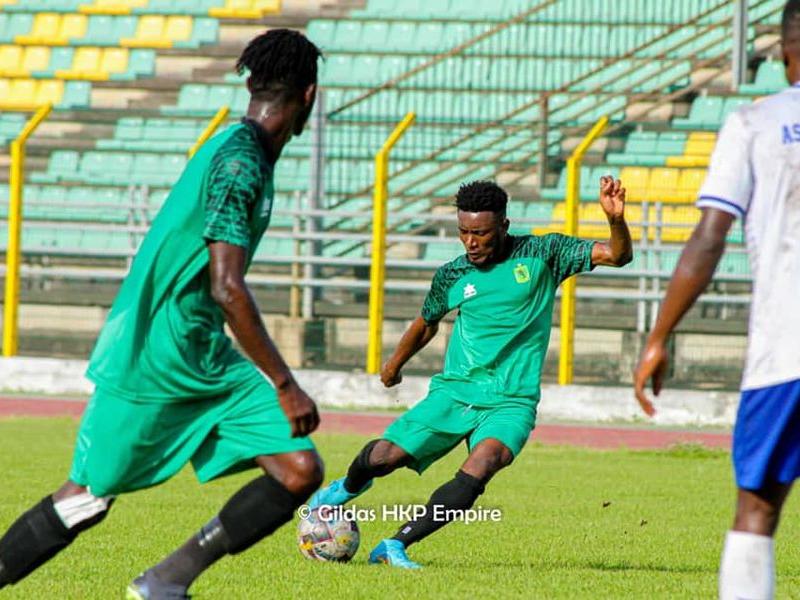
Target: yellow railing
x=213, y=125
x=567, y=351
x=378, y=266
x=13, y=250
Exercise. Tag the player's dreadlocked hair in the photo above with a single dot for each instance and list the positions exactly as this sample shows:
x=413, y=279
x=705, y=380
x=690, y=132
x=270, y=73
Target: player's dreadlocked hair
x=479, y=196
x=282, y=64
x=790, y=23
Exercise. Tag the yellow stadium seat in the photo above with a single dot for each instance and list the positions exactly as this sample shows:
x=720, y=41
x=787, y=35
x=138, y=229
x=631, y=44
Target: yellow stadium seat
x=663, y=186
x=150, y=33
x=688, y=161
x=5, y=88
x=635, y=180
x=85, y=65
x=7, y=2
x=245, y=9
x=22, y=93
x=37, y=58
x=50, y=91
x=112, y=7
x=45, y=31
x=700, y=143
x=10, y=61
x=689, y=184
x=267, y=6
x=73, y=27
x=115, y=60
x=679, y=222
x=178, y=29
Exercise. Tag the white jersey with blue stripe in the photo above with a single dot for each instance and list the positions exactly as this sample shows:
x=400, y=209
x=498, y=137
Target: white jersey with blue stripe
x=755, y=175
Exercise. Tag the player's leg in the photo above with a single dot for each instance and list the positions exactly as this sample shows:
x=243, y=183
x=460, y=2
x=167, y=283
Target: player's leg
x=251, y=430
x=418, y=438
x=377, y=459
x=766, y=454
x=458, y=494
x=252, y=513
x=747, y=569
x=47, y=528
x=499, y=434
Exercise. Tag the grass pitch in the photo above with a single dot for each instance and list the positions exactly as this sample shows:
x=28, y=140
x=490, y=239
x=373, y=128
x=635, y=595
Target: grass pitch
x=576, y=524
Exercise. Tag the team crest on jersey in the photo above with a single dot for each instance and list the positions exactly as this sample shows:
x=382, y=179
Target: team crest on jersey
x=521, y=273
x=469, y=291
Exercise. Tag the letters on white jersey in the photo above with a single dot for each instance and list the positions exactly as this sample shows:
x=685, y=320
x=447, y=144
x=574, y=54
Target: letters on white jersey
x=755, y=175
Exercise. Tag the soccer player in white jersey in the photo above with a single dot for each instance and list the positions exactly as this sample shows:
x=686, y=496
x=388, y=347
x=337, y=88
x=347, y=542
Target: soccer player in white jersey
x=755, y=176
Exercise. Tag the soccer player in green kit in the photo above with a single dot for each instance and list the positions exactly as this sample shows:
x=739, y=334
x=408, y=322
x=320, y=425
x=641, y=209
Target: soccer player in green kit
x=170, y=387
x=487, y=394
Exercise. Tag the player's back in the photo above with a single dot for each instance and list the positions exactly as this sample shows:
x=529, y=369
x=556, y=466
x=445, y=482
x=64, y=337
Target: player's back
x=755, y=174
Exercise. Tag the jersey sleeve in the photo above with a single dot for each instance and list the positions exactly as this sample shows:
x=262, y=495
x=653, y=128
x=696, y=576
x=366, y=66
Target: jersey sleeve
x=567, y=255
x=729, y=182
x=234, y=188
x=435, y=306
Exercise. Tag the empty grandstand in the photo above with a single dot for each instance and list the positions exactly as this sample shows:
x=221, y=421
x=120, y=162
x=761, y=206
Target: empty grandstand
x=501, y=90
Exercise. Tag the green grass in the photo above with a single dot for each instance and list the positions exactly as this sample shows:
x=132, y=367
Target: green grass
x=658, y=537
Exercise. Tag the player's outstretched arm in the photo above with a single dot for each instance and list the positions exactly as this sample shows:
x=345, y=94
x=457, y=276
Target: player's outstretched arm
x=414, y=339
x=692, y=275
x=230, y=292
x=618, y=250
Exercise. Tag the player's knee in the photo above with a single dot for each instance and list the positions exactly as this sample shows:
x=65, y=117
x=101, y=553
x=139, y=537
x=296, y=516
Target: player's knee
x=81, y=510
x=385, y=457
x=305, y=474
x=488, y=458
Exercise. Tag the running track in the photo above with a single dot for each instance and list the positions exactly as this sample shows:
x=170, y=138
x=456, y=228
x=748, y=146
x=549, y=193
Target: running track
x=374, y=424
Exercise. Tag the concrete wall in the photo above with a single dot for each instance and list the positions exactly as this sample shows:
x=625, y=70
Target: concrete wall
x=338, y=389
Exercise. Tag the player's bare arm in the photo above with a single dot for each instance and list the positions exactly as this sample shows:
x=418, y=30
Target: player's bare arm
x=230, y=292
x=618, y=250
x=692, y=275
x=416, y=337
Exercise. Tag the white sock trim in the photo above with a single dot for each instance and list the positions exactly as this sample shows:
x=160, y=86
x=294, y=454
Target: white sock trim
x=80, y=508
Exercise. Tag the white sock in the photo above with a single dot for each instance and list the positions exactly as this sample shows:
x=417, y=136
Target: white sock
x=747, y=571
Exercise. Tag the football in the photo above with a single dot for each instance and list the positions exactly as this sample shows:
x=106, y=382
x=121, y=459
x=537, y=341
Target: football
x=323, y=536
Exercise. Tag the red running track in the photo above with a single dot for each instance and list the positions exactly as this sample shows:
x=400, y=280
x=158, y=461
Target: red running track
x=374, y=424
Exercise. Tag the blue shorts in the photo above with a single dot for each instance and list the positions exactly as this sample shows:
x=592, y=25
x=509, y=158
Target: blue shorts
x=766, y=439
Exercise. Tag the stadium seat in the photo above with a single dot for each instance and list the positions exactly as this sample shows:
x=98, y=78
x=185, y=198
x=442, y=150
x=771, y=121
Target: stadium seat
x=705, y=113
x=150, y=33
x=112, y=7
x=770, y=78
x=245, y=9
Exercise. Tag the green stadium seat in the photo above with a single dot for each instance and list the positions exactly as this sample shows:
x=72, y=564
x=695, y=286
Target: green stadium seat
x=16, y=24
x=704, y=114
x=374, y=36
x=323, y=34
x=204, y=31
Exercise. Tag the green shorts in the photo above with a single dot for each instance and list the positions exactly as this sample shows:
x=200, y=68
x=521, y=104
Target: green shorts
x=440, y=422
x=126, y=445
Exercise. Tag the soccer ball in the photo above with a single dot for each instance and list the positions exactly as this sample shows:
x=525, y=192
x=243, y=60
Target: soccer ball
x=326, y=537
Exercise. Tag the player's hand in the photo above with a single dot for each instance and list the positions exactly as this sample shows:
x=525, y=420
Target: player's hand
x=612, y=197
x=390, y=376
x=652, y=366
x=299, y=408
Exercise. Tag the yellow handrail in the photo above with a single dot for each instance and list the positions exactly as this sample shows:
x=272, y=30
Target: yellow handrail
x=567, y=351
x=13, y=251
x=213, y=125
x=377, y=273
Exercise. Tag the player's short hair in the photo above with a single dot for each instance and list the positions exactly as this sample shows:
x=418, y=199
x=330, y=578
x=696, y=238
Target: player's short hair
x=480, y=196
x=282, y=64
x=790, y=22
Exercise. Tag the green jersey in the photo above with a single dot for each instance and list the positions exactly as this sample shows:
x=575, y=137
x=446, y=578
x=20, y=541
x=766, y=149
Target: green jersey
x=502, y=330
x=164, y=337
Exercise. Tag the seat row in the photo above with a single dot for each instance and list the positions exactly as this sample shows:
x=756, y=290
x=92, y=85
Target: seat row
x=89, y=63
x=149, y=31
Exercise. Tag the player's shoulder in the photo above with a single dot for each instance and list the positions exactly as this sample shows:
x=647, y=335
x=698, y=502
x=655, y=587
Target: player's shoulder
x=765, y=110
x=526, y=246
x=452, y=271
x=239, y=149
